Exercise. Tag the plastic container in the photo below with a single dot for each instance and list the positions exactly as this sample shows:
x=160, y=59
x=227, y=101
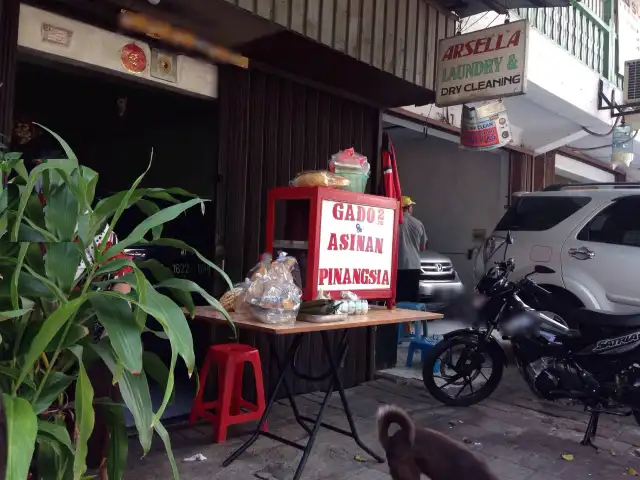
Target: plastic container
x=357, y=181
x=274, y=316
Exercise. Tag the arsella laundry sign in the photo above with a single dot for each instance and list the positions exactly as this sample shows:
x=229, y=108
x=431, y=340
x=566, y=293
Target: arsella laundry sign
x=482, y=65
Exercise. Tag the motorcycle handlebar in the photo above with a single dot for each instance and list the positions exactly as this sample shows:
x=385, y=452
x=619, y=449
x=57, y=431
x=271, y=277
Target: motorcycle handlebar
x=536, y=287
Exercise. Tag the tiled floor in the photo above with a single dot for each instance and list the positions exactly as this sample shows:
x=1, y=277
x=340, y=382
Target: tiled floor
x=521, y=438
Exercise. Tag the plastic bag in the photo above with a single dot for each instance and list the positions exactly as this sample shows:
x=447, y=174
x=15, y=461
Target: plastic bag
x=273, y=294
x=319, y=178
x=349, y=161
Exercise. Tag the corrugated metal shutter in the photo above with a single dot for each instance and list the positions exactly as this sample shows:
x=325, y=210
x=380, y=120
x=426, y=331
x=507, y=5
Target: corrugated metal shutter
x=397, y=36
x=271, y=129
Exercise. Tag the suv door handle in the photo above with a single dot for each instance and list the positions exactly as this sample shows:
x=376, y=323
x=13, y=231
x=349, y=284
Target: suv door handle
x=582, y=253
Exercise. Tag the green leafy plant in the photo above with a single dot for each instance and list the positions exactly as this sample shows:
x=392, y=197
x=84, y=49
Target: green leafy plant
x=48, y=310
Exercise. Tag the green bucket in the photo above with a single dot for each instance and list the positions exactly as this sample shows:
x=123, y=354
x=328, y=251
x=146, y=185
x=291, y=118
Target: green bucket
x=357, y=181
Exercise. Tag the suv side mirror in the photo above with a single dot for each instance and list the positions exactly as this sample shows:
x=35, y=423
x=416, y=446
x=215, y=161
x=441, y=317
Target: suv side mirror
x=509, y=239
x=543, y=269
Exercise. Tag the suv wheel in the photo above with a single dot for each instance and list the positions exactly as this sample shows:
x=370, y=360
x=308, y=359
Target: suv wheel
x=563, y=303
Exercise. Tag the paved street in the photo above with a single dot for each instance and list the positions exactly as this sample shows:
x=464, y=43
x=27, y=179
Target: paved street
x=521, y=438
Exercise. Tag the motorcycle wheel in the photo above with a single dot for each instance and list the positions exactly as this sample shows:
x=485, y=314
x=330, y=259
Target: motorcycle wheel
x=440, y=370
x=636, y=415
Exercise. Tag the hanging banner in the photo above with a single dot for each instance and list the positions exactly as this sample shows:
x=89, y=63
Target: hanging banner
x=482, y=65
x=622, y=146
x=485, y=127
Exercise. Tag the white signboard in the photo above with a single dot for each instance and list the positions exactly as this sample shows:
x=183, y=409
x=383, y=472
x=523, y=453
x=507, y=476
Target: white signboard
x=356, y=247
x=482, y=65
x=628, y=32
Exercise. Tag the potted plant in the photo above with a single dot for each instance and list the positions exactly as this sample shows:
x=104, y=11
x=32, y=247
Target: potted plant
x=51, y=296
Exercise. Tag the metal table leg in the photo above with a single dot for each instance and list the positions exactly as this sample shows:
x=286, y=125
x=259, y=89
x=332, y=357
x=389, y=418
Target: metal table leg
x=336, y=360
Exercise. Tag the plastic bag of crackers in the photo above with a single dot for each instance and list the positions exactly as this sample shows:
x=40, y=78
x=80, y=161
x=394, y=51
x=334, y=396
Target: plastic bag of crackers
x=273, y=294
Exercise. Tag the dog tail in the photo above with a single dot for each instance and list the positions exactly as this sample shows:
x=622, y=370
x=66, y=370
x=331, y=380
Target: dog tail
x=387, y=416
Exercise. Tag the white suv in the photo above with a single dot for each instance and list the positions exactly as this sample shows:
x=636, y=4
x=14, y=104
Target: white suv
x=589, y=234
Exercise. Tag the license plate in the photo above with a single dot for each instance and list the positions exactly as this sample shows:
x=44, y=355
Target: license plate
x=181, y=268
x=479, y=300
x=184, y=269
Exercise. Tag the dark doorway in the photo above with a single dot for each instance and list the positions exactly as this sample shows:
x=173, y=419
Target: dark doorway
x=113, y=124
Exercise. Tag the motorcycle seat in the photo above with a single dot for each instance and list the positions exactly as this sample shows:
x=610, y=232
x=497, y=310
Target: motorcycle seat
x=585, y=316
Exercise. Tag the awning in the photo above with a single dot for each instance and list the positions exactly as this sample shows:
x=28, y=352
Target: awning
x=466, y=8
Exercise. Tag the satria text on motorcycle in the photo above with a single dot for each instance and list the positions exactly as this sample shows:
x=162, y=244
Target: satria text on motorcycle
x=596, y=363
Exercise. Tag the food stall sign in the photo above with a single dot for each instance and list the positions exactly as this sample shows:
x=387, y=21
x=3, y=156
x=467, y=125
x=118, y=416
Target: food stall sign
x=355, y=247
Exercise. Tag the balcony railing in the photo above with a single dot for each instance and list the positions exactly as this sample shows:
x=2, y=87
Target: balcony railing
x=584, y=29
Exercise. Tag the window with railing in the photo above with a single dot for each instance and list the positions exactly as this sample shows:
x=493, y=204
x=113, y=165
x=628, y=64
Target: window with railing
x=585, y=29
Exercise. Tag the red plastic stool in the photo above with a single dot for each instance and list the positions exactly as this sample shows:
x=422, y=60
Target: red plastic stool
x=228, y=407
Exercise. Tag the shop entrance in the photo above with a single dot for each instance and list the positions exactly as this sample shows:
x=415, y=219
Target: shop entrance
x=113, y=124
x=459, y=196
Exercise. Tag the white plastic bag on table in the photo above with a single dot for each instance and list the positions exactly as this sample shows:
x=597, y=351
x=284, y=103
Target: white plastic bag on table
x=274, y=295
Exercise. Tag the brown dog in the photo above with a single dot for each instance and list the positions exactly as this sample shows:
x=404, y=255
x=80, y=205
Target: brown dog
x=414, y=450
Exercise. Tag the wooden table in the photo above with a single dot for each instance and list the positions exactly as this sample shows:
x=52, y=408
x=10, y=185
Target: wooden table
x=375, y=316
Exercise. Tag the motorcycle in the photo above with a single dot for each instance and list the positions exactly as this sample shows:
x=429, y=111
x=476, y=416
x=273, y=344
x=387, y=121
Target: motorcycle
x=596, y=364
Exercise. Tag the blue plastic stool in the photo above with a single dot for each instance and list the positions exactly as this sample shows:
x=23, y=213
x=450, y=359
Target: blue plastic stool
x=402, y=337
x=423, y=344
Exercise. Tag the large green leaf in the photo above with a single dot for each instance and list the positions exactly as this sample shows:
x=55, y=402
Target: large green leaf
x=113, y=265
x=35, y=211
x=55, y=384
x=106, y=207
x=168, y=391
x=15, y=298
x=86, y=181
x=51, y=459
x=162, y=273
x=50, y=327
x=29, y=286
x=179, y=244
x=155, y=368
x=170, y=316
x=124, y=204
x=84, y=421
x=57, y=432
x=71, y=157
x=163, y=216
x=13, y=373
x=61, y=212
x=149, y=208
x=22, y=428
x=50, y=165
x=53, y=288
x=34, y=258
x=118, y=441
x=13, y=314
x=116, y=316
x=135, y=394
x=137, y=281
x=29, y=234
x=174, y=323
x=73, y=335
x=61, y=264
x=189, y=286
x=164, y=435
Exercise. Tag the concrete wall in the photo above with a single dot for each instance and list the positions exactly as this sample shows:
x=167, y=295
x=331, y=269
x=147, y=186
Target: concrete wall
x=456, y=191
x=99, y=49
